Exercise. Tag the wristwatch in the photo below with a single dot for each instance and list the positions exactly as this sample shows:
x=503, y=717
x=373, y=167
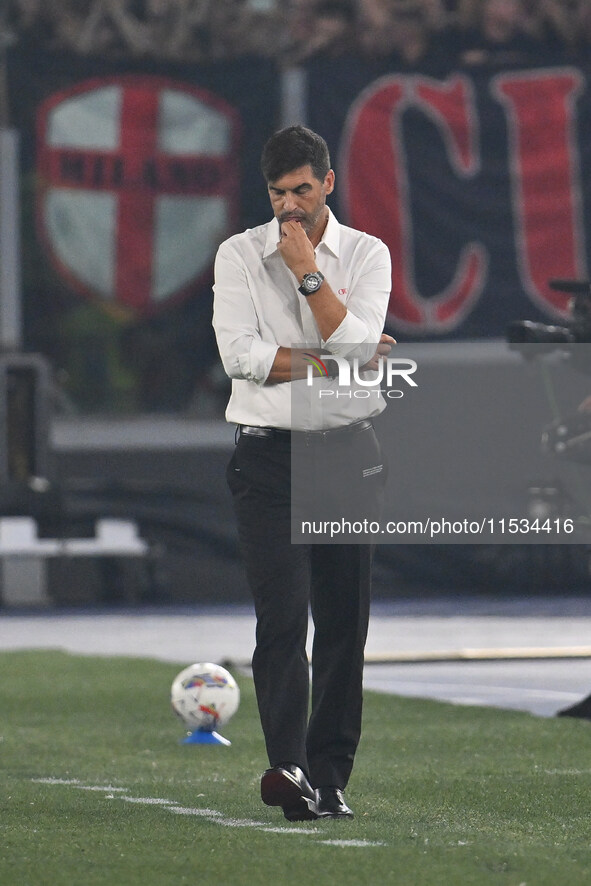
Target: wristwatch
x=311, y=283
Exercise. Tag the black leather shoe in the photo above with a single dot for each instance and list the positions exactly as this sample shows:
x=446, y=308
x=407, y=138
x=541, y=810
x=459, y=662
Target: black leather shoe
x=287, y=786
x=331, y=803
x=581, y=709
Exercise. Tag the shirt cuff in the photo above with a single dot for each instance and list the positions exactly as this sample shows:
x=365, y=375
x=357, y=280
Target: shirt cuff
x=256, y=364
x=347, y=338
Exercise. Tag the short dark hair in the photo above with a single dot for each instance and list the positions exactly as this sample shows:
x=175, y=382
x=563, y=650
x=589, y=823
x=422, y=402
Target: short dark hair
x=291, y=148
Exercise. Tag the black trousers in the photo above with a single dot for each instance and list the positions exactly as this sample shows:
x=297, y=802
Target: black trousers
x=285, y=579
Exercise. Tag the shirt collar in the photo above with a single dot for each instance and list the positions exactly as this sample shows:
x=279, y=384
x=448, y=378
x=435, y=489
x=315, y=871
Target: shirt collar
x=330, y=238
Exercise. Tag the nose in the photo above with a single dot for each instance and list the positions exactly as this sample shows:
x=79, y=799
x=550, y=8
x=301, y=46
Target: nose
x=289, y=202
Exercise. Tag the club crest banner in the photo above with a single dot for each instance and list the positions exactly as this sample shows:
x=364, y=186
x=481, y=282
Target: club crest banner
x=138, y=171
x=138, y=185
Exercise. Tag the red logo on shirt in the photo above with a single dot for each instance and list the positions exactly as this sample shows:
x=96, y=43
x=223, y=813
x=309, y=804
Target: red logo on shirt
x=343, y=291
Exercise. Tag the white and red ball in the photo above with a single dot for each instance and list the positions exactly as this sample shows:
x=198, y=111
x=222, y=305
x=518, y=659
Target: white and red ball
x=205, y=696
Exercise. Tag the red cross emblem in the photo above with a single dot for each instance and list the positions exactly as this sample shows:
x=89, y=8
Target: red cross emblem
x=138, y=186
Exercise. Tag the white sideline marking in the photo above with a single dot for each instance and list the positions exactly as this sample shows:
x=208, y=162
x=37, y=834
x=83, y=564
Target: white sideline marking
x=55, y=780
x=99, y=787
x=148, y=801
x=188, y=810
x=277, y=830
x=211, y=815
x=75, y=782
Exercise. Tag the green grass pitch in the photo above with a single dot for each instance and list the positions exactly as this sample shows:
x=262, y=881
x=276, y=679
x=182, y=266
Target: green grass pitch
x=97, y=788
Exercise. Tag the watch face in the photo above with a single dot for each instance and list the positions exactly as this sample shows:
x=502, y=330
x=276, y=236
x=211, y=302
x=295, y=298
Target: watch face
x=312, y=282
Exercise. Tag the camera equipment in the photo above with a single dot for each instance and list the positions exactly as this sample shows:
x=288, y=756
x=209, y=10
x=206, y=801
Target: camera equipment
x=576, y=331
x=568, y=437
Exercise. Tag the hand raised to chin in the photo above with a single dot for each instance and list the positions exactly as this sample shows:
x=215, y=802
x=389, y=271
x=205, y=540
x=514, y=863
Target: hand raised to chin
x=296, y=250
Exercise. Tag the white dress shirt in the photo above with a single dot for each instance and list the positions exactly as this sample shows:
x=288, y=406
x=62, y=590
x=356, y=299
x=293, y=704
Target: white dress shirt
x=257, y=309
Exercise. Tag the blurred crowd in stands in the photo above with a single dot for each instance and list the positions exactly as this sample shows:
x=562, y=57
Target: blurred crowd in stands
x=406, y=34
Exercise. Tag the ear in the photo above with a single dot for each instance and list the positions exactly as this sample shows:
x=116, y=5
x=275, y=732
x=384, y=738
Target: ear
x=329, y=182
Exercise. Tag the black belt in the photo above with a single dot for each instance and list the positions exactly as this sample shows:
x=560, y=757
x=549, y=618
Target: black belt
x=320, y=436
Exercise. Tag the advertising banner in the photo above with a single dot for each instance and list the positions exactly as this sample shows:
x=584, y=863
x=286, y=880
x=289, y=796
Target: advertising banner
x=478, y=183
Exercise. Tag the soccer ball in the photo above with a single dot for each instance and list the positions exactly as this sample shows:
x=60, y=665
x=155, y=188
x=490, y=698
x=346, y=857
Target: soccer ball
x=204, y=696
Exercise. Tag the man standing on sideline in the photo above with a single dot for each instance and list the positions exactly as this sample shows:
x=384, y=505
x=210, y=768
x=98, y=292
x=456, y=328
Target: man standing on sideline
x=302, y=278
